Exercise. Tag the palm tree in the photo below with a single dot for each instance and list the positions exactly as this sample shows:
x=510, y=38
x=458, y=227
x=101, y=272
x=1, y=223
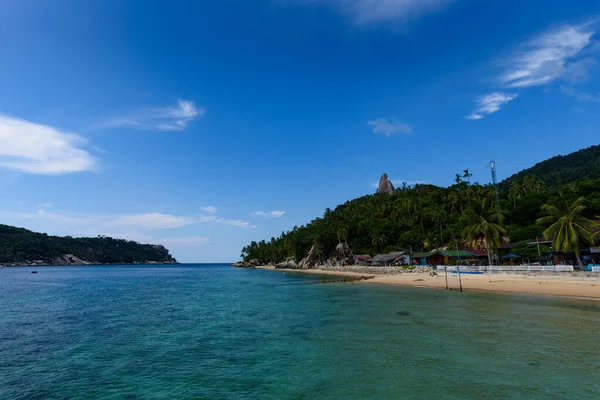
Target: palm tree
x=467, y=175
x=439, y=216
x=458, y=179
x=485, y=227
x=379, y=241
x=514, y=193
x=568, y=226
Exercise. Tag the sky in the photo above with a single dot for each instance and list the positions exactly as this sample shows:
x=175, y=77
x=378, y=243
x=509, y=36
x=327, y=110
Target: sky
x=203, y=125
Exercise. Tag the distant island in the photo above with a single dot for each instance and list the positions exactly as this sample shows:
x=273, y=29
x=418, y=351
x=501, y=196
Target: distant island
x=554, y=204
x=22, y=247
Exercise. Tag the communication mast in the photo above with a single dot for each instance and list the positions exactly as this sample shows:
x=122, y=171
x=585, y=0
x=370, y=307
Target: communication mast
x=495, y=183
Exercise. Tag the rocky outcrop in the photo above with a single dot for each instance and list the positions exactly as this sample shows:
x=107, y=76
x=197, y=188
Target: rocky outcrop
x=290, y=263
x=385, y=186
x=246, y=264
x=70, y=260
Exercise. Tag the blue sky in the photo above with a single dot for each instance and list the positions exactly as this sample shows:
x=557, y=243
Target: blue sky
x=204, y=125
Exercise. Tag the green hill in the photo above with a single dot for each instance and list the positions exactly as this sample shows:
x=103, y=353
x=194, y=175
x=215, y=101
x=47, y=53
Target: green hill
x=580, y=165
x=426, y=217
x=19, y=246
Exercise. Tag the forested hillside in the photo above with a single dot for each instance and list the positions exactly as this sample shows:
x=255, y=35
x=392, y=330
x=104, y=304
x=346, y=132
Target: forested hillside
x=21, y=246
x=425, y=217
x=581, y=165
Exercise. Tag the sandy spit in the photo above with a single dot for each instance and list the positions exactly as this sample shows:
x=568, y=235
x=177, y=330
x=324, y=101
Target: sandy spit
x=515, y=283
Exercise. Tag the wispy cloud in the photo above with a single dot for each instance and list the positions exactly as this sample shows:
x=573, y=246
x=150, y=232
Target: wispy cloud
x=561, y=54
x=270, y=214
x=547, y=57
x=129, y=222
x=388, y=128
x=170, y=118
x=365, y=12
x=490, y=104
x=223, y=221
x=209, y=209
x=40, y=149
x=45, y=205
x=152, y=221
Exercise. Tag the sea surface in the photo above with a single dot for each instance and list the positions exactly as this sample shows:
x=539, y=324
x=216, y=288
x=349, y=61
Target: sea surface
x=217, y=332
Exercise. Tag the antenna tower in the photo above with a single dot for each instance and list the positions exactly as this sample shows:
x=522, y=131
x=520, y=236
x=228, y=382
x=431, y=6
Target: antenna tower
x=495, y=183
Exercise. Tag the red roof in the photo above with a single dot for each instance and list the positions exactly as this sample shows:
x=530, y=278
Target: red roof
x=477, y=253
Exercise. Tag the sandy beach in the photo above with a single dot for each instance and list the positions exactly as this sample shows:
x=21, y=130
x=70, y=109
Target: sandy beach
x=554, y=285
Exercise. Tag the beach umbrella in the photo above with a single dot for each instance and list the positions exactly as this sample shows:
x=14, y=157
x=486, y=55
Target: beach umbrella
x=512, y=256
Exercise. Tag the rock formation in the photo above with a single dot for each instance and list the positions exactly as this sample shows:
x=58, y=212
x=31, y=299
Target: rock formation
x=385, y=186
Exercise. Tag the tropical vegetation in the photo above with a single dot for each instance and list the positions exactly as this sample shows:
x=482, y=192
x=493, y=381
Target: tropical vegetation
x=568, y=227
x=19, y=245
x=425, y=217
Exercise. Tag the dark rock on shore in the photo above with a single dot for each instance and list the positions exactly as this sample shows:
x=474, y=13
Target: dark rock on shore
x=246, y=264
x=71, y=260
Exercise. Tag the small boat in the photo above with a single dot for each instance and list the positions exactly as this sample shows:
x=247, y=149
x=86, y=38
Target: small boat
x=34, y=272
x=468, y=272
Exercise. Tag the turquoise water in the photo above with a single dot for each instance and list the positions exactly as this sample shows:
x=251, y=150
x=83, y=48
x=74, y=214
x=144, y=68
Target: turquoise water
x=217, y=332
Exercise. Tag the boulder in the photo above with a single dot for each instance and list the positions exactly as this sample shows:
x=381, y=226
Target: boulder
x=385, y=186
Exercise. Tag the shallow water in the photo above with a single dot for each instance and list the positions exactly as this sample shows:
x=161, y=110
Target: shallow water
x=217, y=332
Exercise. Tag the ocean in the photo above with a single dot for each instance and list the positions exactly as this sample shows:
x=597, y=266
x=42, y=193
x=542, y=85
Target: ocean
x=218, y=332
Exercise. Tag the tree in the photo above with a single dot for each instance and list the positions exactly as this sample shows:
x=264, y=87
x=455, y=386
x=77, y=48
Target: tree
x=568, y=227
x=380, y=241
x=530, y=252
x=467, y=175
x=484, y=229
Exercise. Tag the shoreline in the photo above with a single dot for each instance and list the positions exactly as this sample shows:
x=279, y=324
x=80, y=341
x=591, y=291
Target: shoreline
x=85, y=265
x=551, y=285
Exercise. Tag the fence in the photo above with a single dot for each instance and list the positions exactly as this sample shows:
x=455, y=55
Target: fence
x=515, y=268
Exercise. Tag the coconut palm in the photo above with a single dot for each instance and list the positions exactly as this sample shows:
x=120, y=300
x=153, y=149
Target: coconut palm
x=467, y=175
x=484, y=229
x=568, y=226
x=379, y=241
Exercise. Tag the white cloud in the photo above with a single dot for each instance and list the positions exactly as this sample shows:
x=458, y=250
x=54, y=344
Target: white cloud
x=209, y=209
x=563, y=54
x=547, y=57
x=373, y=11
x=170, y=118
x=45, y=205
x=389, y=128
x=40, y=149
x=270, y=214
x=152, y=221
x=491, y=103
x=233, y=222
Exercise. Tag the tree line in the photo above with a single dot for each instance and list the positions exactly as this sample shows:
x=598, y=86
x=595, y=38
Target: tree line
x=22, y=245
x=424, y=217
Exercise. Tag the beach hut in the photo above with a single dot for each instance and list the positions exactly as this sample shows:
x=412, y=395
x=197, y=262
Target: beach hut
x=363, y=260
x=506, y=248
x=455, y=257
x=478, y=257
x=426, y=258
x=511, y=258
x=544, y=260
x=394, y=258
